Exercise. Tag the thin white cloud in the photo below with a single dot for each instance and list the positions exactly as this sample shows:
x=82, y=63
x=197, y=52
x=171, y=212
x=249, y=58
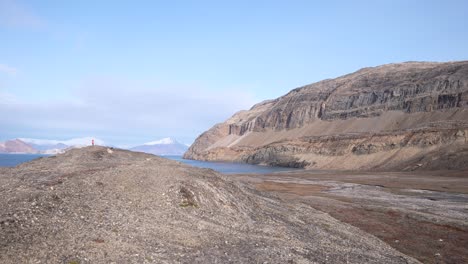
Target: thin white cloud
x=125, y=112
x=8, y=69
x=7, y=98
x=68, y=142
x=14, y=14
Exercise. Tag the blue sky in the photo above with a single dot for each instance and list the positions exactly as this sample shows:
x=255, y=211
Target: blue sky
x=128, y=72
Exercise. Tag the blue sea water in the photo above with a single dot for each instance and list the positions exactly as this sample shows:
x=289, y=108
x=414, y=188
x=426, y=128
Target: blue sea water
x=229, y=167
x=11, y=160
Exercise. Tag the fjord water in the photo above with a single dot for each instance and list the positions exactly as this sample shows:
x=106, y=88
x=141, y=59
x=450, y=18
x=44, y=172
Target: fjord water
x=11, y=160
x=229, y=167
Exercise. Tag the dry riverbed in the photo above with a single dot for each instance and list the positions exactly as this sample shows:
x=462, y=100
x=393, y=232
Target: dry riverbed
x=421, y=214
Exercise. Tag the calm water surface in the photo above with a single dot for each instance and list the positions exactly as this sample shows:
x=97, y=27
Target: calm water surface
x=230, y=168
x=11, y=160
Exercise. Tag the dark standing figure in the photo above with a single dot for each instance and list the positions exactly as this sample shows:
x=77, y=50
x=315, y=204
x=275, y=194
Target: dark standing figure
x=92, y=142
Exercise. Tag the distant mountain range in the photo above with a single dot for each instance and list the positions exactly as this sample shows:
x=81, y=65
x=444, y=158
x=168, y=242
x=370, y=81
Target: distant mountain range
x=164, y=147
x=44, y=146
x=16, y=146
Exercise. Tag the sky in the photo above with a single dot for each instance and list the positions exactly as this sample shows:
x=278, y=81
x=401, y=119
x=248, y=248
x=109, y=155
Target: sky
x=128, y=72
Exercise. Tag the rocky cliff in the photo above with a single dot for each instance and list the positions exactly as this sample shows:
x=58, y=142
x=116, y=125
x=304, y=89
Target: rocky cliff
x=397, y=116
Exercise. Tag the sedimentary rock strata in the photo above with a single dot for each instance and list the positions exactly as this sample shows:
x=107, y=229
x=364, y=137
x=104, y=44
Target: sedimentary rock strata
x=382, y=117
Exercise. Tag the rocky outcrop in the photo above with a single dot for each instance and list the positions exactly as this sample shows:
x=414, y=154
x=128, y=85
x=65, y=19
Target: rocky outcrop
x=380, y=117
x=101, y=205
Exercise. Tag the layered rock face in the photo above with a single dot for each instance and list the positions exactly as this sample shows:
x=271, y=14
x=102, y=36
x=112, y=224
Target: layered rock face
x=393, y=116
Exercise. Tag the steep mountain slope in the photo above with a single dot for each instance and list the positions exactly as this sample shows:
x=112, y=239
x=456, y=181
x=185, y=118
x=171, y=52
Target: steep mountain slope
x=165, y=146
x=16, y=146
x=99, y=205
x=386, y=117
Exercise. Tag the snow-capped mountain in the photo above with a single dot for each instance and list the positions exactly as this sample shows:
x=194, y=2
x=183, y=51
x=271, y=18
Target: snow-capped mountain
x=163, y=141
x=164, y=147
x=84, y=141
x=53, y=146
x=46, y=147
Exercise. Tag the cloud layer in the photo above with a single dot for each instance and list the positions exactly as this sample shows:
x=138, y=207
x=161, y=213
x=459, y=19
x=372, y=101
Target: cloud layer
x=7, y=69
x=122, y=112
x=69, y=142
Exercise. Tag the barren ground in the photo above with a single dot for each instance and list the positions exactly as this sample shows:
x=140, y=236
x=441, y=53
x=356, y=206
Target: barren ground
x=421, y=214
x=100, y=205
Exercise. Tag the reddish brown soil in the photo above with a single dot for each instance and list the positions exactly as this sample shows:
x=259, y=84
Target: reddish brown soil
x=294, y=188
x=429, y=242
x=419, y=239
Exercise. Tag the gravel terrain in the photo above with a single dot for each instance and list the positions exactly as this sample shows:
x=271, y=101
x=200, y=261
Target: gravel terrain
x=422, y=214
x=102, y=205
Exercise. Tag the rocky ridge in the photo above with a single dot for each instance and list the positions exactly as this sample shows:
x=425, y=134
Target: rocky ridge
x=103, y=205
x=393, y=116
